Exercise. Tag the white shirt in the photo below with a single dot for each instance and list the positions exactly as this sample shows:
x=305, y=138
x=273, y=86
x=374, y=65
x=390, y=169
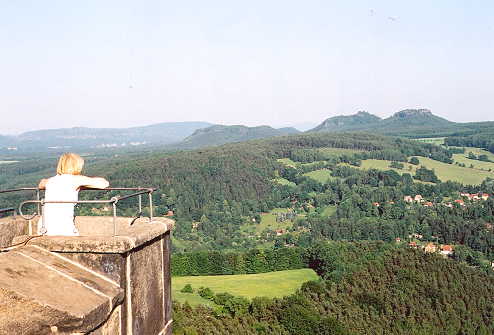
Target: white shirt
x=59, y=218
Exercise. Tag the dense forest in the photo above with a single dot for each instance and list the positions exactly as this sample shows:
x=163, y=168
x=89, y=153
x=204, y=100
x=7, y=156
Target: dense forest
x=482, y=140
x=366, y=288
x=218, y=196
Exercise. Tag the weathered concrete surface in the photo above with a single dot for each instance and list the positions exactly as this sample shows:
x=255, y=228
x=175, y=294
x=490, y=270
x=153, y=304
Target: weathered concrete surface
x=101, y=241
x=11, y=227
x=41, y=290
x=19, y=315
x=167, y=281
x=146, y=293
x=136, y=262
x=112, y=326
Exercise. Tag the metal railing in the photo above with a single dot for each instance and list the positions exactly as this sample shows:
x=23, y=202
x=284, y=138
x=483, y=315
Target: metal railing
x=139, y=192
x=6, y=210
x=22, y=189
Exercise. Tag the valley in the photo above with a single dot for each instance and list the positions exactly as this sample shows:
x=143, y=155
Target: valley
x=290, y=224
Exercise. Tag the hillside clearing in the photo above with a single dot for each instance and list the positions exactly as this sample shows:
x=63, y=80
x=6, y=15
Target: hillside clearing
x=443, y=171
x=328, y=211
x=432, y=140
x=270, y=284
x=462, y=158
x=268, y=221
x=332, y=152
x=321, y=175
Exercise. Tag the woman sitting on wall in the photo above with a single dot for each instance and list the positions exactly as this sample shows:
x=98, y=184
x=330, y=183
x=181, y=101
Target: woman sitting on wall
x=58, y=219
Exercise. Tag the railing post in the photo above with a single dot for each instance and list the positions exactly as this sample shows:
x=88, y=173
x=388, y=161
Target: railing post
x=150, y=205
x=114, y=218
x=37, y=198
x=140, y=203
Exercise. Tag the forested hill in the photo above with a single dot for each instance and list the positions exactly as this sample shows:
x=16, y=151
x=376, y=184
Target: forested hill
x=412, y=123
x=367, y=288
x=219, y=134
x=243, y=172
x=348, y=122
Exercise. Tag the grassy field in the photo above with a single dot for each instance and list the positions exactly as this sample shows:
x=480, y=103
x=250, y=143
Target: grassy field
x=271, y=284
x=462, y=158
x=328, y=211
x=288, y=162
x=268, y=220
x=284, y=181
x=322, y=175
x=443, y=171
x=433, y=140
x=332, y=152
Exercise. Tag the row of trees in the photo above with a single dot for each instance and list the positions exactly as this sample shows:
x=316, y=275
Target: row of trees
x=482, y=140
x=222, y=263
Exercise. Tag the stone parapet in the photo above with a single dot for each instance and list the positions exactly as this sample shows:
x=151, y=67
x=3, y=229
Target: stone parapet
x=106, y=284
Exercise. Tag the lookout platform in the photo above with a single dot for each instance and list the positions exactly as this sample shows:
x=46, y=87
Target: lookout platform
x=112, y=279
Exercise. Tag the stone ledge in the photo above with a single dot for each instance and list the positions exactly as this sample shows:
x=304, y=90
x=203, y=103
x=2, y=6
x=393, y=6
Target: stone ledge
x=40, y=289
x=99, y=237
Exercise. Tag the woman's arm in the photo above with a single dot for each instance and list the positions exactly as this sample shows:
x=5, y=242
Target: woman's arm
x=92, y=182
x=42, y=184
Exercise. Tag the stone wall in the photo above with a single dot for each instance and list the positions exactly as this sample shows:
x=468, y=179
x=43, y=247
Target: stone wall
x=136, y=261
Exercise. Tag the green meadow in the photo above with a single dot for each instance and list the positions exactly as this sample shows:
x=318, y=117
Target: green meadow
x=444, y=171
x=284, y=181
x=322, y=175
x=268, y=221
x=271, y=285
x=479, y=165
x=328, y=211
x=433, y=140
x=287, y=162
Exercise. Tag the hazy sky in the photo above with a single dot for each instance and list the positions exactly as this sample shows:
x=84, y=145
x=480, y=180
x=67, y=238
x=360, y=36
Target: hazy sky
x=123, y=63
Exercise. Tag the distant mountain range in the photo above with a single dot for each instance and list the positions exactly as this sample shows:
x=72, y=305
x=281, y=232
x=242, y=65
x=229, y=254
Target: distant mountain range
x=189, y=135
x=81, y=137
x=408, y=122
x=218, y=134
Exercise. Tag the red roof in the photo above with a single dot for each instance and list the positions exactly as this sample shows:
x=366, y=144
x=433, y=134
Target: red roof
x=447, y=247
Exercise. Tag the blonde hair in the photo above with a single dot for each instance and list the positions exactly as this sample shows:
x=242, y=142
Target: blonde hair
x=70, y=163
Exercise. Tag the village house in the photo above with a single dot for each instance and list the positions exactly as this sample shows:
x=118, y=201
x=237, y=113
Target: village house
x=169, y=213
x=413, y=245
x=428, y=204
x=449, y=204
x=430, y=248
x=460, y=202
x=446, y=250
x=376, y=204
x=475, y=196
x=418, y=198
x=280, y=232
x=398, y=240
x=408, y=198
